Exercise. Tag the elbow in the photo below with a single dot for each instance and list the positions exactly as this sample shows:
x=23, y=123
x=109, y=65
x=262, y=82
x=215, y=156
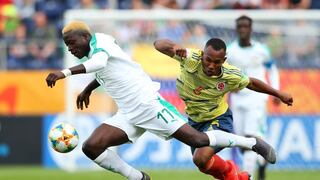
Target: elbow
x=157, y=45
x=251, y=83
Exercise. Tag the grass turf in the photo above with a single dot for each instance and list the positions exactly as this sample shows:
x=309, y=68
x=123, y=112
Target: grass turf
x=39, y=173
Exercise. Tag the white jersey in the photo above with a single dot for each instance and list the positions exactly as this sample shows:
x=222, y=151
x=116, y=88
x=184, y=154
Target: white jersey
x=254, y=61
x=121, y=77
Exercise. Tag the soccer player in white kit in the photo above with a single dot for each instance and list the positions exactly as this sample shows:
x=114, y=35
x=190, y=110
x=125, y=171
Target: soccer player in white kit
x=249, y=107
x=140, y=106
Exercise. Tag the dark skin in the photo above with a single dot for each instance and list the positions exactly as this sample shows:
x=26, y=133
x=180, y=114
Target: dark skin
x=106, y=135
x=244, y=30
x=78, y=45
x=212, y=61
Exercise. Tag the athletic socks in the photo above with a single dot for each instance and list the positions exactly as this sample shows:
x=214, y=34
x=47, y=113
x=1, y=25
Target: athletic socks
x=111, y=161
x=216, y=167
x=249, y=161
x=225, y=139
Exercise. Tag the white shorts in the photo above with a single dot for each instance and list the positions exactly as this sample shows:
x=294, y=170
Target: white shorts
x=249, y=121
x=158, y=117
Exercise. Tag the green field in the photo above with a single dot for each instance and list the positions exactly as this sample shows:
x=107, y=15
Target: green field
x=38, y=173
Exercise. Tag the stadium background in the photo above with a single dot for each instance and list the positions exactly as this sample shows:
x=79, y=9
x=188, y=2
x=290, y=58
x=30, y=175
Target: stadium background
x=28, y=108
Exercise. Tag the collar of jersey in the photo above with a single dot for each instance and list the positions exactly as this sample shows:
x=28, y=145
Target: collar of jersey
x=216, y=77
x=92, y=44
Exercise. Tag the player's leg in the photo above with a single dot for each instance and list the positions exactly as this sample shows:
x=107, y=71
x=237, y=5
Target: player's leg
x=102, y=138
x=254, y=125
x=210, y=163
x=194, y=138
x=262, y=167
x=112, y=134
x=169, y=122
x=205, y=158
x=239, y=117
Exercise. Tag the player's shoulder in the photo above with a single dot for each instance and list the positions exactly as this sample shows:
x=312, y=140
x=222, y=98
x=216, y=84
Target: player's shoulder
x=232, y=45
x=104, y=41
x=231, y=70
x=230, y=67
x=103, y=37
x=194, y=54
x=261, y=46
x=193, y=60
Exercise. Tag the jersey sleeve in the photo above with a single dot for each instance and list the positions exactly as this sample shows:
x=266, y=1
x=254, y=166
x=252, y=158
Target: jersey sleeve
x=244, y=81
x=97, y=62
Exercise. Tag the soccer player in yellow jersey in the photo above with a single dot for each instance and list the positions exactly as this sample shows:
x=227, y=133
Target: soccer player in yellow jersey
x=204, y=80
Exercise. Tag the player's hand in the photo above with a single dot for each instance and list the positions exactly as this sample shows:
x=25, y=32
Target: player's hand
x=181, y=52
x=53, y=77
x=286, y=98
x=276, y=101
x=83, y=97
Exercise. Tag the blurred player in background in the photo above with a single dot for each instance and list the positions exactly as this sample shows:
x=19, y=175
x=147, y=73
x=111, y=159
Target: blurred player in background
x=204, y=80
x=248, y=107
x=140, y=106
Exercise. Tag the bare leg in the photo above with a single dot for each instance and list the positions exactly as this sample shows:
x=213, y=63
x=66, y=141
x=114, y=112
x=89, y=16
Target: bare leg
x=96, y=148
x=103, y=137
x=194, y=138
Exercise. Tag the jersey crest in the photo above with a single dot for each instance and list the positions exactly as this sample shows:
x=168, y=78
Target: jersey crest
x=221, y=86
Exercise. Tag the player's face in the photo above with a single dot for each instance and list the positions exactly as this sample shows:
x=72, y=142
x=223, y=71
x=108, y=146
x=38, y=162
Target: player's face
x=244, y=29
x=212, y=61
x=77, y=44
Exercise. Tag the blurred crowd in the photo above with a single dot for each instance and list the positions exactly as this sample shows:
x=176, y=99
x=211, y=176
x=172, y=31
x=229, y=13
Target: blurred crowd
x=31, y=38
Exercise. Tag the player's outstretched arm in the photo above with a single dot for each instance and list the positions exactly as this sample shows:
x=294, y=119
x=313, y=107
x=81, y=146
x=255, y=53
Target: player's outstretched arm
x=260, y=86
x=83, y=97
x=97, y=62
x=170, y=48
x=55, y=76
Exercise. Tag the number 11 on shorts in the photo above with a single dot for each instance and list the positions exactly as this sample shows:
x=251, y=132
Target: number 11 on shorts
x=166, y=116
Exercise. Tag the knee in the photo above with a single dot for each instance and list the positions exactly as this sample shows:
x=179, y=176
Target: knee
x=92, y=149
x=88, y=148
x=200, y=160
x=198, y=141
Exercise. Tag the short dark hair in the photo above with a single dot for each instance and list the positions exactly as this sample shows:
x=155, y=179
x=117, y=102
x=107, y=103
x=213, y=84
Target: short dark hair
x=216, y=44
x=244, y=17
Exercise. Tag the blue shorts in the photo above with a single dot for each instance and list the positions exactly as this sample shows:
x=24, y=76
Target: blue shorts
x=223, y=122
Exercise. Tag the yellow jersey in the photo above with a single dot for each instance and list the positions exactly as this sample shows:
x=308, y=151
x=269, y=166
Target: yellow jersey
x=204, y=95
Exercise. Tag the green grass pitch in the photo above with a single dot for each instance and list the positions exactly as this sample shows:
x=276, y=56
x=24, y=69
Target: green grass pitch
x=39, y=173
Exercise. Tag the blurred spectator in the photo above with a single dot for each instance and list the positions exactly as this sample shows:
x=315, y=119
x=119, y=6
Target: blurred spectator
x=43, y=43
x=26, y=8
x=148, y=31
x=276, y=44
x=315, y=4
x=127, y=33
x=246, y=4
x=134, y=4
x=19, y=56
x=286, y=4
x=164, y=4
x=26, y=11
x=54, y=9
x=86, y=4
x=274, y=4
x=9, y=20
x=301, y=44
x=299, y=4
x=201, y=4
x=174, y=30
x=198, y=36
